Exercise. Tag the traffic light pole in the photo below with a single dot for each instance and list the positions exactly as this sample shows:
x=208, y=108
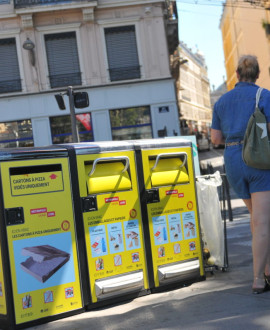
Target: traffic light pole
x=75, y=136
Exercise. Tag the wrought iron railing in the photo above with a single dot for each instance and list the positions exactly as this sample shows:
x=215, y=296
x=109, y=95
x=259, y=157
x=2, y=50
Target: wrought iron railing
x=125, y=73
x=10, y=86
x=63, y=80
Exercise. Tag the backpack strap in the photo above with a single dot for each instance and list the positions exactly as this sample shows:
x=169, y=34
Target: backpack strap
x=258, y=95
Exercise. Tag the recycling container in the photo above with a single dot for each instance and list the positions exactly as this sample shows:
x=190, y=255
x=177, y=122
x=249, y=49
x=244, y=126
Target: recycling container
x=109, y=209
x=169, y=205
x=39, y=264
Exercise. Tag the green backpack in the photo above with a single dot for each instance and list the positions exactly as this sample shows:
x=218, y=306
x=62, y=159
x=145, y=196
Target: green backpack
x=256, y=149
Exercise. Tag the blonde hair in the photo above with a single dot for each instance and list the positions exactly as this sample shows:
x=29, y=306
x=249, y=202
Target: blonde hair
x=248, y=68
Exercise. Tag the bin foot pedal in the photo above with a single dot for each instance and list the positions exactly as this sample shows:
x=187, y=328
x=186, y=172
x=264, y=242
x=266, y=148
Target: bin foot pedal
x=171, y=272
x=118, y=285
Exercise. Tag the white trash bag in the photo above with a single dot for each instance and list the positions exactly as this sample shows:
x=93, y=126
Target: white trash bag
x=210, y=218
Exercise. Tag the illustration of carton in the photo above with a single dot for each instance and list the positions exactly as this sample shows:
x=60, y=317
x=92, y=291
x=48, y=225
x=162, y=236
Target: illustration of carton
x=43, y=261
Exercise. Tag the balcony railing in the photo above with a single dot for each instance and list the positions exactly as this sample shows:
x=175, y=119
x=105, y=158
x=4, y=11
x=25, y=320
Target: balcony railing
x=125, y=73
x=63, y=80
x=30, y=3
x=10, y=86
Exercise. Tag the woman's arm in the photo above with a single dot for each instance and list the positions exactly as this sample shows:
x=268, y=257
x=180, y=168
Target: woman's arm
x=217, y=137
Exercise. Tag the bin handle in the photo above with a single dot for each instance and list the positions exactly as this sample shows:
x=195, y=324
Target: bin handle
x=171, y=154
x=109, y=159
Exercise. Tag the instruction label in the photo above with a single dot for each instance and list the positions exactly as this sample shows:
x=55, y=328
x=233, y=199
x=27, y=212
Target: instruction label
x=160, y=230
x=36, y=183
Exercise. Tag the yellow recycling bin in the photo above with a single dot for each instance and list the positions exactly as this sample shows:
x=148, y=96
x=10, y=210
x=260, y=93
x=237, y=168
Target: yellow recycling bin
x=111, y=216
x=165, y=169
x=39, y=273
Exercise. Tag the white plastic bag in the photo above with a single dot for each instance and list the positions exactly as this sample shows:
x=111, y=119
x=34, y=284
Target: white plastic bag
x=210, y=217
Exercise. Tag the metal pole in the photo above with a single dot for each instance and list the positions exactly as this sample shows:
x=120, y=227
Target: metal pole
x=75, y=136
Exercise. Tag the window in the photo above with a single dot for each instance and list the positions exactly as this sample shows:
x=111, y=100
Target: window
x=186, y=95
x=4, y=1
x=122, y=53
x=16, y=134
x=63, y=59
x=10, y=80
x=62, y=132
x=131, y=123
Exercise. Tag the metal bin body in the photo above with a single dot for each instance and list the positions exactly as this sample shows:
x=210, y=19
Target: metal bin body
x=169, y=206
x=111, y=215
x=40, y=269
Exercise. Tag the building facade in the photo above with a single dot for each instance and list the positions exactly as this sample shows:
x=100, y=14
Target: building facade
x=243, y=32
x=194, y=93
x=116, y=51
x=217, y=93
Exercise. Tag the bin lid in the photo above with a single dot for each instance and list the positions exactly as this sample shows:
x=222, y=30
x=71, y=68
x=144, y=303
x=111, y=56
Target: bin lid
x=110, y=146
x=99, y=147
x=161, y=143
x=52, y=151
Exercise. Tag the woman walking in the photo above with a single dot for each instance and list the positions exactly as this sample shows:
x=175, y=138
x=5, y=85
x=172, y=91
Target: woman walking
x=230, y=117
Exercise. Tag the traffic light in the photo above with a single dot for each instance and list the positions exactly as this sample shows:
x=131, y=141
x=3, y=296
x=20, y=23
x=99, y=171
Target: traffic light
x=81, y=100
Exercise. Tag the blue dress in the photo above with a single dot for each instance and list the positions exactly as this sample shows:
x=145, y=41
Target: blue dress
x=231, y=114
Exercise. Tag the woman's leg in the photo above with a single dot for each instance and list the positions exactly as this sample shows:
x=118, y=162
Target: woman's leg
x=260, y=224
x=249, y=207
x=248, y=204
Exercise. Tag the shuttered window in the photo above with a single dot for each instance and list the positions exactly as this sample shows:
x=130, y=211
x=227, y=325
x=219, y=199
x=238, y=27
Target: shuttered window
x=63, y=59
x=122, y=53
x=10, y=80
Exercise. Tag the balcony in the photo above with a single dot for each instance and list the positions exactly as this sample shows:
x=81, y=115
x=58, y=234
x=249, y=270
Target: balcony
x=32, y=3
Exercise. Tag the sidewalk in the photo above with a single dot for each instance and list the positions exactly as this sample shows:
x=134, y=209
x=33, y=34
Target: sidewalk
x=223, y=301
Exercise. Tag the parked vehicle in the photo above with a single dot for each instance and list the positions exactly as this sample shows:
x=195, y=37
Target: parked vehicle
x=203, y=143
x=218, y=146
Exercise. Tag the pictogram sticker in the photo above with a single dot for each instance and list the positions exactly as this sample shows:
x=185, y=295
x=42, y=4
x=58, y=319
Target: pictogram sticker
x=190, y=205
x=39, y=210
x=133, y=213
x=65, y=225
x=69, y=292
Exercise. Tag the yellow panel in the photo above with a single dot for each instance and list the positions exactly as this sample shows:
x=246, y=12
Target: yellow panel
x=172, y=239
x=114, y=232
x=3, y=306
x=48, y=222
x=168, y=172
x=107, y=177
